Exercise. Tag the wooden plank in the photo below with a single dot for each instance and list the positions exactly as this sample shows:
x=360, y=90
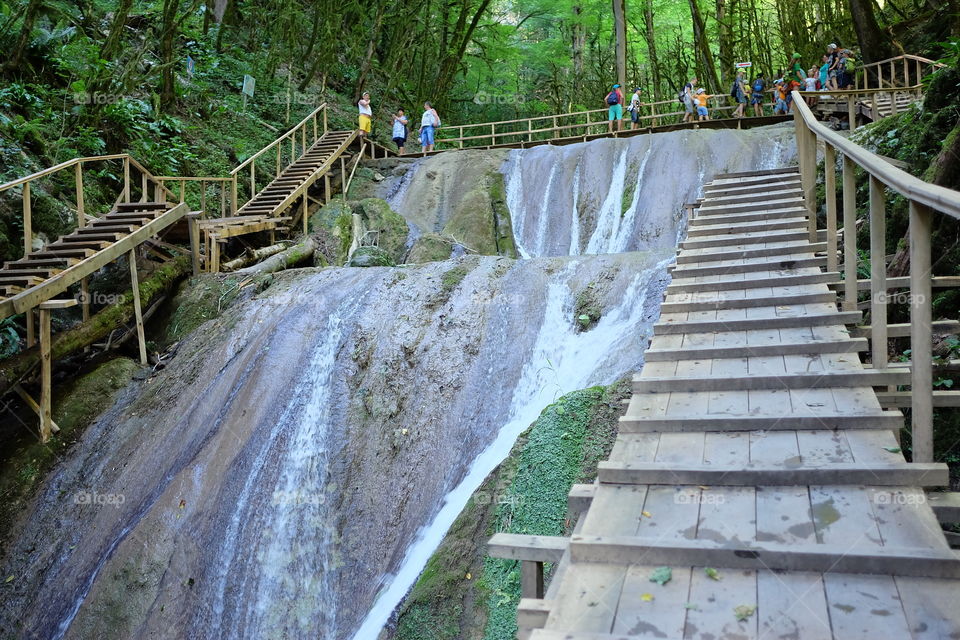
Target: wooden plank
x=138, y=313
x=915, y=562
x=785, y=422
x=780, y=322
x=904, y=399
x=587, y=600
x=779, y=265
x=700, y=304
x=775, y=249
x=754, y=238
x=515, y=546
x=921, y=474
x=775, y=349
x=753, y=283
x=580, y=497
x=532, y=613
x=799, y=380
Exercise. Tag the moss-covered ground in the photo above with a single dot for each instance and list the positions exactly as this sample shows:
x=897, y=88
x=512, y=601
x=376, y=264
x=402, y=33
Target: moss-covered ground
x=462, y=593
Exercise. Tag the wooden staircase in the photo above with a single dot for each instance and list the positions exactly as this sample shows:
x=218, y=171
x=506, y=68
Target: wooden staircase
x=41, y=275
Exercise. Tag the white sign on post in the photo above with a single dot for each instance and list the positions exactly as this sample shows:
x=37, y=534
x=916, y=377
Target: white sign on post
x=744, y=65
x=248, y=84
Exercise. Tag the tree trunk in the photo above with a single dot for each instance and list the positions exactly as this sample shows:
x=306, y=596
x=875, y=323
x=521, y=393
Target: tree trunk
x=620, y=38
x=167, y=33
x=709, y=70
x=29, y=19
x=725, y=40
x=368, y=56
x=578, y=38
x=874, y=44
x=652, y=48
x=117, y=27
x=287, y=259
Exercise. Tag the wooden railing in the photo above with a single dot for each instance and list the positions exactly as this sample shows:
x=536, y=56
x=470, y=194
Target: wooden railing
x=199, y=192
x=884, y=73
x=874, y=98
x=300, y=138
x=563, y=125
x=128, y=189
x=923, y=199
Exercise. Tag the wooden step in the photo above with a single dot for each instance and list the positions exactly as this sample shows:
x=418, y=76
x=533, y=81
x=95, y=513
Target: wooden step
x=711, y=210
x=20, y=281
x=892, y=420
x=98, y=229
x=725, y=190
x=40, y=272
x=792, y=474
x=721, y=230
x=61, y=252
x=690, y=257
x=754, y=283
x=699, y=302
x=78, y=243
x=738, y=218
x=742, y=351
x=84, y=237
x=32, y=260
x=781, y=265
x=759, y=198
x=749, y=324
x=796, y=380
x=756, y=238
x=143, y=206
x=759, y=173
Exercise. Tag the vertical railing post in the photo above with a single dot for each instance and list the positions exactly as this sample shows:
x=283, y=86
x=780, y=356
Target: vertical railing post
x=878, y=275
x=852, y=112
x=144, y=188
x=233, y=195
x=531, y=579
x=830, y=187
x=46, y=369
x=126, y=178
x=253, y=178
x=193, y=227
x=183, y=190
x=807, y=154
x=324, y=121
x=203, y=197
x=278, y=160
x=78, y=179
x=849, y=236
x=27, y=220
x=137, y=311
x=921, y=342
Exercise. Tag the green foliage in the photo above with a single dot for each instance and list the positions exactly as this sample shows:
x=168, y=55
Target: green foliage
x=9, y=337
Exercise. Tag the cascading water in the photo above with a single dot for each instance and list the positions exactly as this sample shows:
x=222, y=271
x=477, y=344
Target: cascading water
x=294, y=467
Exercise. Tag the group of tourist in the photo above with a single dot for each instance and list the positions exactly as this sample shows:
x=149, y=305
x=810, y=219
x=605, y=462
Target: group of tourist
x=836, y=72
x=429, y=123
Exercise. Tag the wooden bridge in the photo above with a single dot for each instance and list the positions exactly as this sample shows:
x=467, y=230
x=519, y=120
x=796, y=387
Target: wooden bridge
x=757, y=487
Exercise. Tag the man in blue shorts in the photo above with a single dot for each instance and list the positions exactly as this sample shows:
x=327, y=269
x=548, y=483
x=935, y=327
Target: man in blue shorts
x=614, y=102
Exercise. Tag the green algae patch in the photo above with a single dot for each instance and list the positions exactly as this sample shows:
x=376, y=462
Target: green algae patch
x=461, y=592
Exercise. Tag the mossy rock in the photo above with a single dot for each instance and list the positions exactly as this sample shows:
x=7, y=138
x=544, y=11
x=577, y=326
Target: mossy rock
x=473, y=223
x=503, y=225
x=371, y=257
x=79, y=402
x=326, y=216
x=430, y=247
x=587, y=310
x=391, y=227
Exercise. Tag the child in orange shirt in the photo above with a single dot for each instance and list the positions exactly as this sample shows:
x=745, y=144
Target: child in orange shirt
x=701, y=98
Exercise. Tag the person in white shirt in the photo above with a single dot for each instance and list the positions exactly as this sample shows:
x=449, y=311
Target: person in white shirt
x=399, y=130
x=365, y=114
x=634, y=109
x=429, y=123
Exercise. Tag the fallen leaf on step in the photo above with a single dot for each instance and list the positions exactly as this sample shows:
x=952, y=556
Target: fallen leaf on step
x=691, y=606
x=647, y=597
x=9, y=579
x=712, y=573
x=744, y=611
x=469, y=576
x=646, y=514
x=892, y=449
x=661, y=575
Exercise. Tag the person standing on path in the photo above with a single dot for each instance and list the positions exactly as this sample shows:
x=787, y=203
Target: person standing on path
x=366, y=113
x=702, y=111
x=688, y=99
x=429, y=123
x=400, y=130
x=739, y=93
x=614, y=102
x=635, y=109
x=756, y=94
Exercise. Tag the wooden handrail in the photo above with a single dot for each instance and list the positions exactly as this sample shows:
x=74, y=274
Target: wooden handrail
x=907, y=56
x=59, y=167
x=923, y=199
x=291, y=133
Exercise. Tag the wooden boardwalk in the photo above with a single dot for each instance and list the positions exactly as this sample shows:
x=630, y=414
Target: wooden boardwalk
x=754, y=461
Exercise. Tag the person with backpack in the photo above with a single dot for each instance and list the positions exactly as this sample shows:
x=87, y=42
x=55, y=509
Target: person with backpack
x=756, y=94
x=399, y=130
x=634, y=109
x=686, y=98
x=614, y=102
x=739, y=93
x=429, y=123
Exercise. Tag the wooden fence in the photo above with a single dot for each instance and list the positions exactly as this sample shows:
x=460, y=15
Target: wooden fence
x=924, y=200
x=884, y=73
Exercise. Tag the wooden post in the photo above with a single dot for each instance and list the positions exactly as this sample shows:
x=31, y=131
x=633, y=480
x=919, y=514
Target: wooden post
x=849, y=236
x=203, y=197
x=461, y=138
x=293, y=148
x=807, y=152
x=874, y=112
x=830, y=188
x=27, y=220
x=529, y=130
x=531, y=579
x=878, y=275
x=31, y=327
x=324, y=121
x=214, y=254
x=253, y=179
x=45, y=375
x=304, y=211
x=906, y=73
x=193, y=226
x=303, y=137
x=85, y=298
x=343, y=179
x=183, y=190
x=893, y=76
x=921, y=345
x=493, y=135
x=315, y=136
x=144, y=188
x=223, y=200
x=233, y=195
x=852, y=112
x=326, y=187
x=81, y=211
x=556, y=131
x=126, y=178
x=278, y=160
x=893, y=103
x=138, y=313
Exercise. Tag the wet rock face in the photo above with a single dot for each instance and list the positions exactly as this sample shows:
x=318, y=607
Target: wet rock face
x=279, y=467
